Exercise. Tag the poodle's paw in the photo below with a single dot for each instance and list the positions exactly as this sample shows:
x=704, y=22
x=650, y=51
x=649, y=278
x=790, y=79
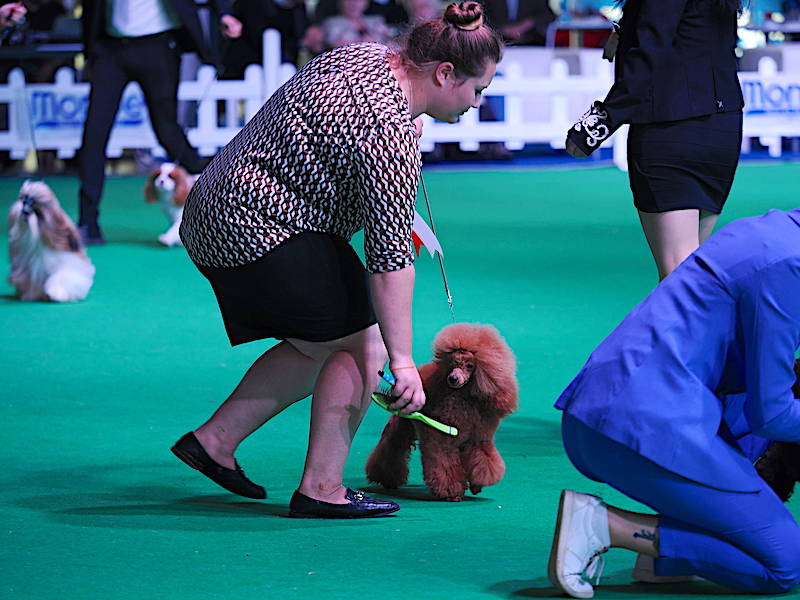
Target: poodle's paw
x=443, y=473
x=388, y=481
x=452, y=491
x=388, y=475
x=475, y=488
x=485, y=467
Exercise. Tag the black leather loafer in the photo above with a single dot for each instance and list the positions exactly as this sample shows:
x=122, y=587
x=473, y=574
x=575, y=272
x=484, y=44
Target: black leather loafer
x=189, y=450
x=361, y=505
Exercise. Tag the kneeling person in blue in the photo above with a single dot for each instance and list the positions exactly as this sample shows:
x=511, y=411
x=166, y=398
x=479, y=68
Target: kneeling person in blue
x=665, y=409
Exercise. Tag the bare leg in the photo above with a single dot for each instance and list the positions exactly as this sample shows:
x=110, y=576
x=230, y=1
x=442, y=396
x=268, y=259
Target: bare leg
x=708, y=221
x=280, y=377
x=672, y=236
x=633, y=531
x=342, y=374
x=341, y=398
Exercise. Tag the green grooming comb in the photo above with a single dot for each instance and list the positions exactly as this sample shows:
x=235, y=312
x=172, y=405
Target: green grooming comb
x=383, y=400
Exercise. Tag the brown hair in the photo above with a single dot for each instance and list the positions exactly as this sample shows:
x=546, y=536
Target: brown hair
x=460, y=36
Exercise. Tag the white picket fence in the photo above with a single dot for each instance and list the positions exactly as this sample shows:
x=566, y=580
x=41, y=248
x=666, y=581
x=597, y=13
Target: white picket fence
x=540, y=93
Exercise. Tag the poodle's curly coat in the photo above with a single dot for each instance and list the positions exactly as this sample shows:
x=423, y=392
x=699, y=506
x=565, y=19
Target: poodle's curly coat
x=471, y=384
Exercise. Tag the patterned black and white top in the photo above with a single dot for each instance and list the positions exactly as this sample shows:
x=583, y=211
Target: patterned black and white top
x=333, y=150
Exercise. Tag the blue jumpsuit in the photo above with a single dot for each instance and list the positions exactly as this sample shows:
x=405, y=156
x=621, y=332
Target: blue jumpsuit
x=660, y=407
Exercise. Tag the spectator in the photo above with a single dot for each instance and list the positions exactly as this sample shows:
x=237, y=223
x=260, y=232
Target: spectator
x=352, y=26
x=391, y=10
x=288, y=17
x=422, y=10
x=43, y=13
x=522, y=22
x=126, y=41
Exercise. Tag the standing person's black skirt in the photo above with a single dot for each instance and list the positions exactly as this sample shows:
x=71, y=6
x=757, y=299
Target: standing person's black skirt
x=313, y=287
x=688, y=164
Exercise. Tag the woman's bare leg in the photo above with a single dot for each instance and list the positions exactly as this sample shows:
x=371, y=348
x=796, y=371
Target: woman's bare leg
x=280, y=377
x=634, y=531
x=340, y=400
x=708, y=221
x=672, y=236
x=341, y=374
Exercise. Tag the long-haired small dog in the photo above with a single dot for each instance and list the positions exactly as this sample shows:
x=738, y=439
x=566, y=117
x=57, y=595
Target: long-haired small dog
x=169, y=185
x=779, y=466
x=470, y=384
x=48, y=261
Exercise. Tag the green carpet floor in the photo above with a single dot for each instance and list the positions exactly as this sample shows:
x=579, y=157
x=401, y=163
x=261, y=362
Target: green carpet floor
x=92, y=395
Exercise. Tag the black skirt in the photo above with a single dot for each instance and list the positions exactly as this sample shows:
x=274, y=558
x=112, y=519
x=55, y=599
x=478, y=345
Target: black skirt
x=684, y=164
x=312, y=287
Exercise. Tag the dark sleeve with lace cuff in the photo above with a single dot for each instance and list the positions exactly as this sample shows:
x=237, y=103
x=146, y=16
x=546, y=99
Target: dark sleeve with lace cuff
x=593, y=128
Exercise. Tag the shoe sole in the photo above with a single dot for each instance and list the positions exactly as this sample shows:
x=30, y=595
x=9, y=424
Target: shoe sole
x=385, y=513
x=189, y=460
x=558, y=549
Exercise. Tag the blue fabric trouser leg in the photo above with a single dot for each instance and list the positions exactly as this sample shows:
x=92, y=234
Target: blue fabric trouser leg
x=746, y=541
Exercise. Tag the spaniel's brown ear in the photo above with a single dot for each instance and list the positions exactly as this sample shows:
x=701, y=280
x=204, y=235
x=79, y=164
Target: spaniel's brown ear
x=181, y=179
x=150, y=194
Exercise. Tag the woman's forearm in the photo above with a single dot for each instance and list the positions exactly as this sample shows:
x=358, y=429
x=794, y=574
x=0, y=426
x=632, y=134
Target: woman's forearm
x=392, y=294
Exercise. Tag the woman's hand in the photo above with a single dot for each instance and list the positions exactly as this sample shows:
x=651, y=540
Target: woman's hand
x=407, y=390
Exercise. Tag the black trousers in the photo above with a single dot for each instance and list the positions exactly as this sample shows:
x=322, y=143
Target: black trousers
x=153, y=62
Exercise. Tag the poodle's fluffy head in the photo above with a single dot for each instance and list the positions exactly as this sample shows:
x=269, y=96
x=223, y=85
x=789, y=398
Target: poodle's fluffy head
x=460, y=367
x=476, y=358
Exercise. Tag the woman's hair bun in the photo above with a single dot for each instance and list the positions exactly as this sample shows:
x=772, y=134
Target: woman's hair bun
x=464, y=15
x=460, y=36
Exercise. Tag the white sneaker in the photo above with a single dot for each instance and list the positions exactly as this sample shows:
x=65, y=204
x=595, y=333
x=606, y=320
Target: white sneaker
x=645, y=571
x=580, y=538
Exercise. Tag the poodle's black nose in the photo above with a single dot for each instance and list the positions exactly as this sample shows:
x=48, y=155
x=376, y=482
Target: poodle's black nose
x=452, y=379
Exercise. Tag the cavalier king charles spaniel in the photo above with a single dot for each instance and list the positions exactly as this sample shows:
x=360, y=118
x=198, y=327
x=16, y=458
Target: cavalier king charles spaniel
x=169, y=185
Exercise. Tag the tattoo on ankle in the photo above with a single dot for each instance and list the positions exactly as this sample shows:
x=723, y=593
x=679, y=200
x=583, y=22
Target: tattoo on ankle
x=650, y=536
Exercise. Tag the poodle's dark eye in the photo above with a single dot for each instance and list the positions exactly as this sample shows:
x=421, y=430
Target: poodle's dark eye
x=470, y=367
